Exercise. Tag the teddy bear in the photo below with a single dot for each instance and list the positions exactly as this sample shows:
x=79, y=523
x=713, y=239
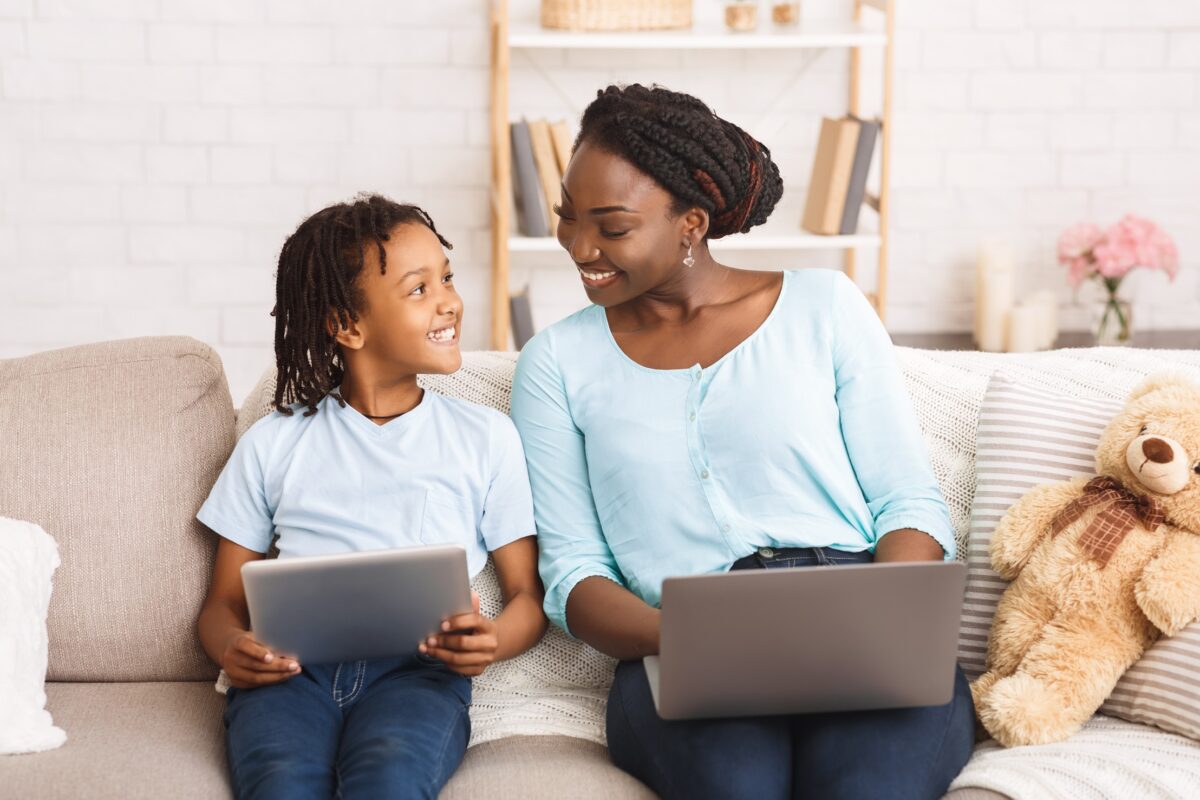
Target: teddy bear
x=1100, y=568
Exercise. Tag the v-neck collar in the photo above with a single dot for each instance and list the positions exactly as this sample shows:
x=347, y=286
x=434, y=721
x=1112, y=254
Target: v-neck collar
x=353, y=416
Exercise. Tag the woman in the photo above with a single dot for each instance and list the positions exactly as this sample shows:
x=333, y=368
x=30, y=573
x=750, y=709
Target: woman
x=699, y=418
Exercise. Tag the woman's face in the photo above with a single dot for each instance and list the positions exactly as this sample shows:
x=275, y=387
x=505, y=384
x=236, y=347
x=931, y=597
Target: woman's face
x=616, y=223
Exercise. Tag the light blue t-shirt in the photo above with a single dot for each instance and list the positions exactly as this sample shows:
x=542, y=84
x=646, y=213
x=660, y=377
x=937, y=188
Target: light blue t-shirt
x=801, y=436
x=447, y=472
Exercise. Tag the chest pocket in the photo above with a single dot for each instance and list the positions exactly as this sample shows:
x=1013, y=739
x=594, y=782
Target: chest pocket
x=448, y=519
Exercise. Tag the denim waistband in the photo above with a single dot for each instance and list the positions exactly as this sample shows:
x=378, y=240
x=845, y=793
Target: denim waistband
x=783, y=557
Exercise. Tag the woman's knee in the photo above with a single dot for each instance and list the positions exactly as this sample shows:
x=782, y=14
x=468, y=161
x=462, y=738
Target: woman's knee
x=696, y=758
x=902, y=753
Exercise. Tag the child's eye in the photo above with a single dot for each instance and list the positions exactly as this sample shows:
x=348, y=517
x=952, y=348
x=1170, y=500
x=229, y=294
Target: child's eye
x=420, y=289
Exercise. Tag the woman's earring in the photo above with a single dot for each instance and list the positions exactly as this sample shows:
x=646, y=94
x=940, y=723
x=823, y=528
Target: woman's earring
x=688, y=260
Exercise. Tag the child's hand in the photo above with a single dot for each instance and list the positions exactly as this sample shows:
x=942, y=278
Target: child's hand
x=249, y=664
x=467, y=653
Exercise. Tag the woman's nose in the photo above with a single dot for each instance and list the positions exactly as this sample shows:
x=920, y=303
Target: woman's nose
x=582, y=250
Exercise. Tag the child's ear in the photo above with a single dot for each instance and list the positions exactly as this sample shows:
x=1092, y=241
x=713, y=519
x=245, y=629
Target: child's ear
x=346, y=331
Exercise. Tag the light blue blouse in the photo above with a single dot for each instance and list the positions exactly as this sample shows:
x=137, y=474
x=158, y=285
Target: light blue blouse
x=801, y=436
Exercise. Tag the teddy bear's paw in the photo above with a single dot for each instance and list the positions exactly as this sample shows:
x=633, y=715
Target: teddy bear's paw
x=982, y=685
x=1021, y=710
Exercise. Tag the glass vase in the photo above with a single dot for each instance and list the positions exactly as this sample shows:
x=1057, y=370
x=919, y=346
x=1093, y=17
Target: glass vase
x=1113, y=322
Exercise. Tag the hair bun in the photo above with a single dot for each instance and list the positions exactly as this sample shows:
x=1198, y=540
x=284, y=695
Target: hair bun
x=700, y=158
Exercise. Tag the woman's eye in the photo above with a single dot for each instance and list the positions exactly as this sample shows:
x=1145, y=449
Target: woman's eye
x=449, y=277
x=613, y=234
x=561, y=214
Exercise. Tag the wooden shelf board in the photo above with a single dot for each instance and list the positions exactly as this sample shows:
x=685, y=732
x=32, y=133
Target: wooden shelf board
x=767, y=240
x=816, y=34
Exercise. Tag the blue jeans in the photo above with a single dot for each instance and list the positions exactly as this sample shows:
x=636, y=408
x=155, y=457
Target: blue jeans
x=395, y=727
x=892, y=753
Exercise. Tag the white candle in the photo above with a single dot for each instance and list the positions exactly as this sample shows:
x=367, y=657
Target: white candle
x=1025, y=330
x=1047, y=305
x=994, y=280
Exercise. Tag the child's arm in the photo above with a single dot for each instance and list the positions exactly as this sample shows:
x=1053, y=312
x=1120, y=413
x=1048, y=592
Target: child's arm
x=224, y=625
x=519, y=626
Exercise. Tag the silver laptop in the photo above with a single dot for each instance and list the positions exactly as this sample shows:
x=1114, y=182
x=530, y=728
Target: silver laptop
x=789, y=641
x=374, y=604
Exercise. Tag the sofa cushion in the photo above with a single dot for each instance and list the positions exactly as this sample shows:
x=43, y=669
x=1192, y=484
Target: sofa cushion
x=127, y=741
x=542, y=768
x=1028, y=437
x=111, y=448
x=28, y=558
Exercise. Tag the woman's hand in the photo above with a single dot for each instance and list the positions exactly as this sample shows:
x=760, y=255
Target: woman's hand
x=249, y=664
x=472, y=646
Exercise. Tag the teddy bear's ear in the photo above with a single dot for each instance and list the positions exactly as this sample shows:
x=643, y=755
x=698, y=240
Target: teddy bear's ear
x=1162, y=380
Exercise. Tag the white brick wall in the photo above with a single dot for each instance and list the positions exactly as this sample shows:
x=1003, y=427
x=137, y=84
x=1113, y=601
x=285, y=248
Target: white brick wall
x=155, y=153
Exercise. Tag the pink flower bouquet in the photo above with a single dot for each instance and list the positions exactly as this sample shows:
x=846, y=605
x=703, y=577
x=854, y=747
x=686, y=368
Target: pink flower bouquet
x=1108, y=256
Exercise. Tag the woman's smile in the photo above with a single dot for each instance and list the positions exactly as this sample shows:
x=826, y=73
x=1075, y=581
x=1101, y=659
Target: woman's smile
x=598, y=279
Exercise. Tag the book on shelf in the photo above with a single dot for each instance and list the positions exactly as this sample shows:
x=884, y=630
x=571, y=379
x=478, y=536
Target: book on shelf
x=547, y=169
x=528, y=196
x=830, y=179
x=521, y=315
x=856, y=190
x=562, y=144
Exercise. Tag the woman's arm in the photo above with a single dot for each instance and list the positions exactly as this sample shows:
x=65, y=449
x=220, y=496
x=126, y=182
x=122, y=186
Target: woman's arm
x=224, y=625
x=613, y=619
x=883, y=439
x=576, y=564
x=908, y=544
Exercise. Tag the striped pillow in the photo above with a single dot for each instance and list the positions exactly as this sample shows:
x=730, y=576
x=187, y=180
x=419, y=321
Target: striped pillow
x=1028, y=437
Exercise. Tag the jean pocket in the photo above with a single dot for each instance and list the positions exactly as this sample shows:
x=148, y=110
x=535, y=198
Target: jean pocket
x=428, y=660
x=448, y=519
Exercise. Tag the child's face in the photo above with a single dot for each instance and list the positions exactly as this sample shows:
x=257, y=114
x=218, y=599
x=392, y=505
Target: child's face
x=413, y=314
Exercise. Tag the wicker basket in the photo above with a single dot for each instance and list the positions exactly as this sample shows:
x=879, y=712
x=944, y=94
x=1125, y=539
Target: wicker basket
x=616, y=15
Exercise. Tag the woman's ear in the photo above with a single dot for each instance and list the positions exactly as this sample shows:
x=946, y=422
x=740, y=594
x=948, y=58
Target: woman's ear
x=346, y=332
x=695, y=225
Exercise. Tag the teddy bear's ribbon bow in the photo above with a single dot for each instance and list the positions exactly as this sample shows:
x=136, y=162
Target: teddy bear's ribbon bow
x=1121, y=511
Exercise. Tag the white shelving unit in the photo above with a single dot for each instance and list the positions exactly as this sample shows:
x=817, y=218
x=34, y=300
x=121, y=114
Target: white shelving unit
x=852, y=34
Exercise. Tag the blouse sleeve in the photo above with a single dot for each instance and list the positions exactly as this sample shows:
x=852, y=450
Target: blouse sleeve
x=570, y=541
x=879, y=425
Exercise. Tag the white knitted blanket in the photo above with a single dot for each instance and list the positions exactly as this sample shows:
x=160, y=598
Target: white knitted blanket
x=560, y=686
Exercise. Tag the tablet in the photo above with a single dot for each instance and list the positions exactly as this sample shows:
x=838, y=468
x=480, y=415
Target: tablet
x=375, y=604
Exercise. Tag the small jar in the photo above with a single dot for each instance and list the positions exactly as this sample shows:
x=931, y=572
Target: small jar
x=741, y=16
x=785, y=13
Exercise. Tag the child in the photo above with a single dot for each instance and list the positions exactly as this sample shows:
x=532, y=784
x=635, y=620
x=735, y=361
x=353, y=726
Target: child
x=365, y=302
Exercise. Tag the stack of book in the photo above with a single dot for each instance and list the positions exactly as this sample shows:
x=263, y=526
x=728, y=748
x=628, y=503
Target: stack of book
x=540, y=152
x=839, y=174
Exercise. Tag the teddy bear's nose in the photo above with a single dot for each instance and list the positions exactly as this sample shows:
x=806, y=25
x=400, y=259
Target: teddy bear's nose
x=1158, y=451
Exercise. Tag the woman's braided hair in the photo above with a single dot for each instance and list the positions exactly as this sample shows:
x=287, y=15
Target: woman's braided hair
x=317, y=281
x=701, y=159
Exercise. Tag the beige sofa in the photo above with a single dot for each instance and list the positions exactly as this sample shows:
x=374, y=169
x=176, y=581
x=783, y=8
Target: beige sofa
x=111, y=448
